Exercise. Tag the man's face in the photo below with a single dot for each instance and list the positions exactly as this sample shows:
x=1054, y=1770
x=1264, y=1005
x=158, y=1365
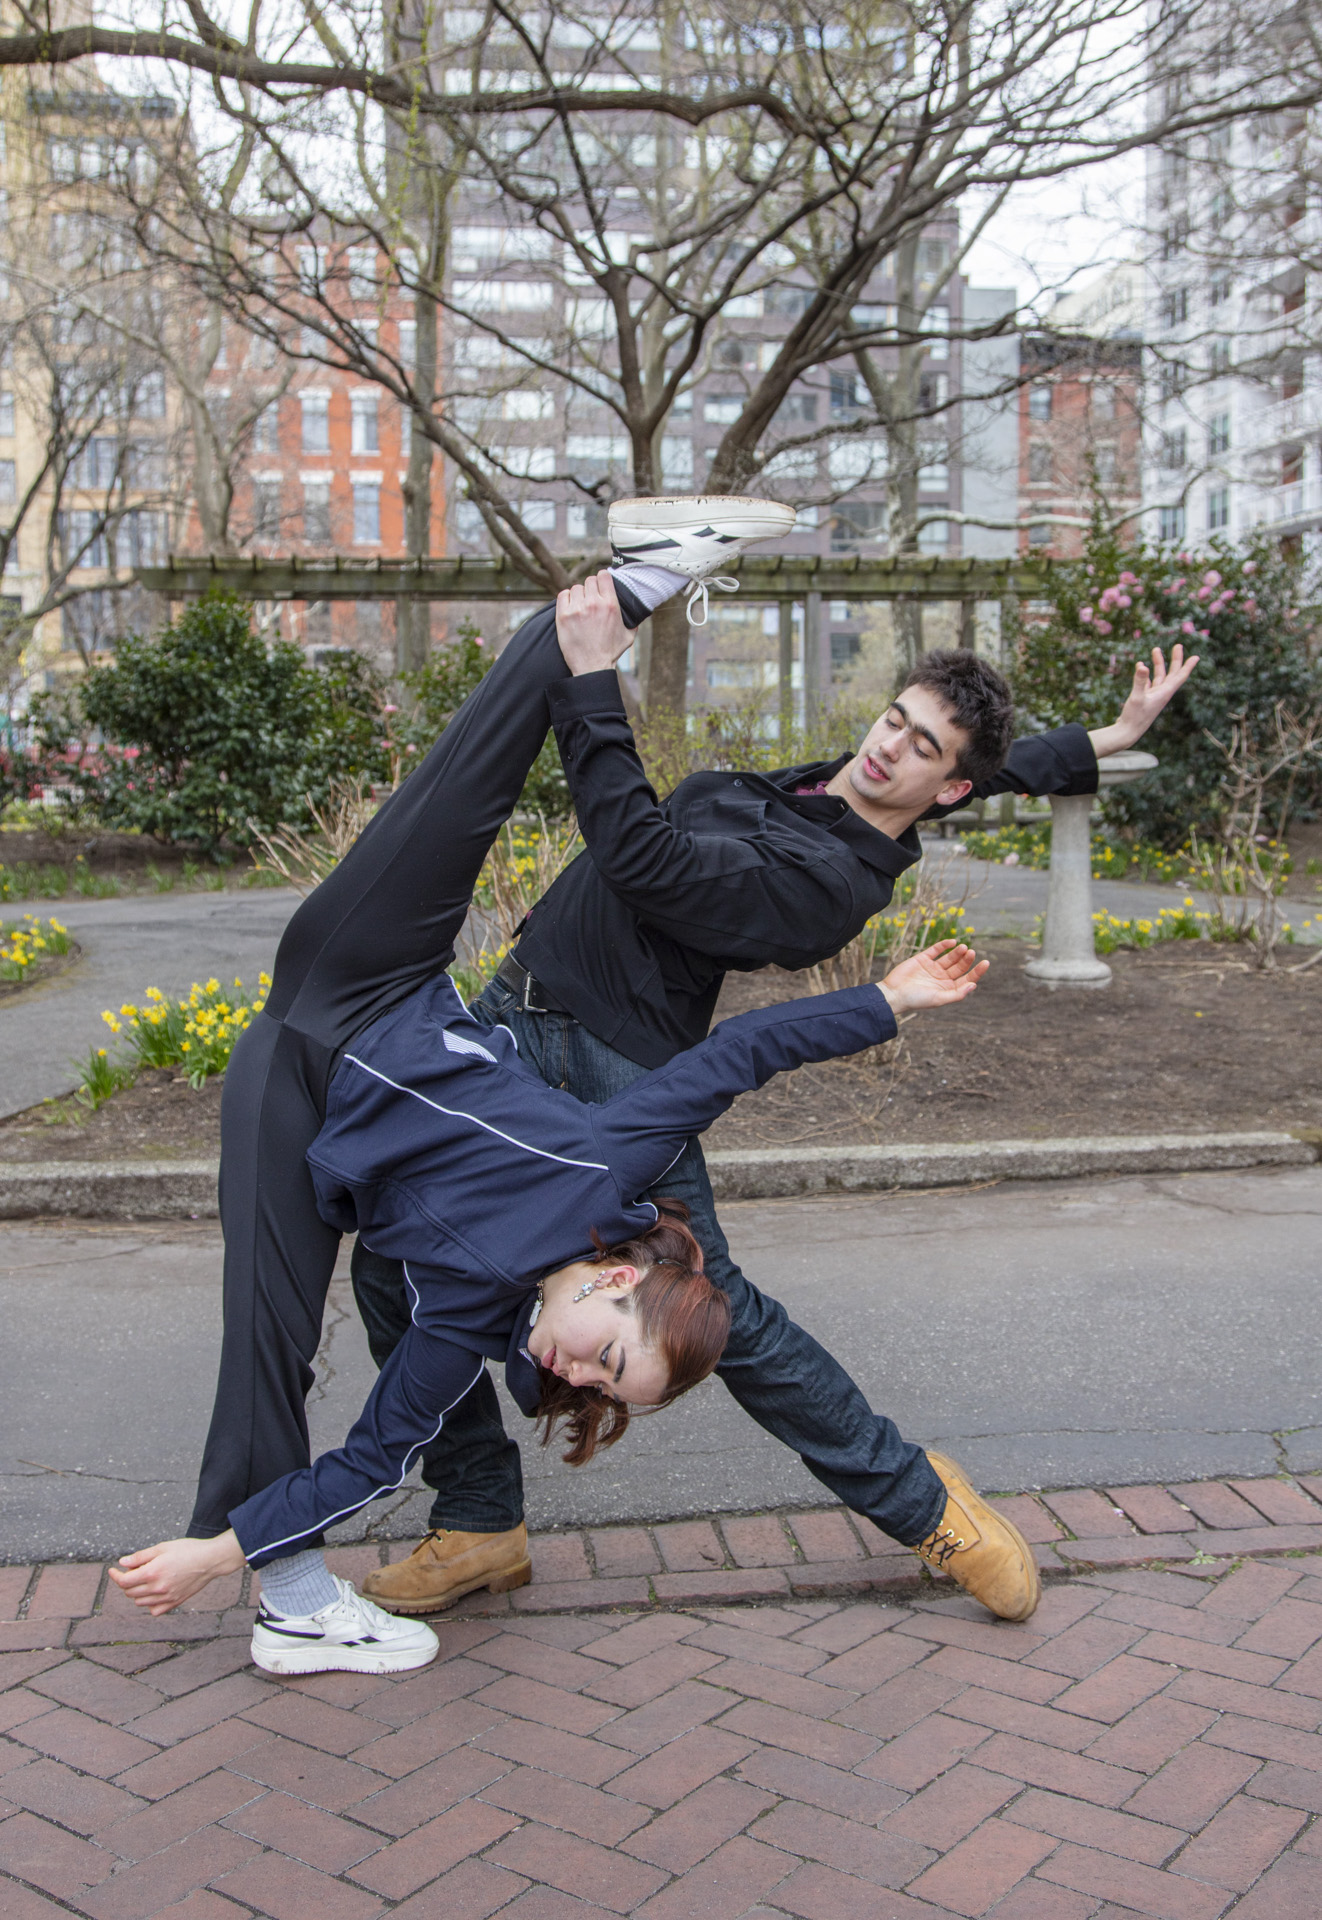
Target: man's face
x=907, y=762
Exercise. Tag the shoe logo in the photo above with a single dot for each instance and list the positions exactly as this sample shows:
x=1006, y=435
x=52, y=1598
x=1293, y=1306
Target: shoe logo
x=288, y=1633
x=647, y=546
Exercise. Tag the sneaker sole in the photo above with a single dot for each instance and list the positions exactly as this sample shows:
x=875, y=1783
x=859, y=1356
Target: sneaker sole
x=440, y=1603
x=686, y=513
x=340, y=1660
x=1030, y=1557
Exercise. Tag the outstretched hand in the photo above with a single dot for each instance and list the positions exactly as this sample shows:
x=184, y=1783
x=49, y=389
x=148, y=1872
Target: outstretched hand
x=590, y=626
x=936, y=977
x=1153, y=689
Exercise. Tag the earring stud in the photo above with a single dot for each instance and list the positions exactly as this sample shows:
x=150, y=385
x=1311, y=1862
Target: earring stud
x=589, y=1286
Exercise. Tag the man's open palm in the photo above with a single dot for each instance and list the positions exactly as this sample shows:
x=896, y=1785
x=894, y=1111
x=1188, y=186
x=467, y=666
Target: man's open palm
x=1153, y=689
x=936, y=977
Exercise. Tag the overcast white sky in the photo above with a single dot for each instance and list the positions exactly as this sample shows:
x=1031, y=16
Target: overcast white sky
x=1060, y=234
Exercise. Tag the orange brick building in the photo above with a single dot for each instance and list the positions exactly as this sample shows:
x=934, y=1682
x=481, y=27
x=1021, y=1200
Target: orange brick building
x=1080, y=436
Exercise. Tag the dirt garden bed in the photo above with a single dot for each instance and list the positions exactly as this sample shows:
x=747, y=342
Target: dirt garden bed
x=1185, y=1040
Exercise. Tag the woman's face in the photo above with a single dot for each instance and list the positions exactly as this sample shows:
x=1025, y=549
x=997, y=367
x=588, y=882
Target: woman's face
x=594, y=1341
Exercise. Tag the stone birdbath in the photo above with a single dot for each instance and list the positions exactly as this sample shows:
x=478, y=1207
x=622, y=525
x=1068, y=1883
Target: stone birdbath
x=1069, y=954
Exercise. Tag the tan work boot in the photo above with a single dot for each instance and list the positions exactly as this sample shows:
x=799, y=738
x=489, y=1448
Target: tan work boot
x=979, y=1548
x=445, y=1566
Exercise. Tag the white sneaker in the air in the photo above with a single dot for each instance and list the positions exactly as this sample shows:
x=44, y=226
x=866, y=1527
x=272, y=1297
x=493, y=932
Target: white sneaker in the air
x=693, y=534
x=350, y=1636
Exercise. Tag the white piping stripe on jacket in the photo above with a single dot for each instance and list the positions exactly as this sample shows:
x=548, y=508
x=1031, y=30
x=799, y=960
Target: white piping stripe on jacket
x=408, y=1459
x=595, y=1166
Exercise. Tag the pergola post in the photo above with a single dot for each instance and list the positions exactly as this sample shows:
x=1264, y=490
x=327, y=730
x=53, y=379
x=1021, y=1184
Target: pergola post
x=786, y=670
x=812, y=659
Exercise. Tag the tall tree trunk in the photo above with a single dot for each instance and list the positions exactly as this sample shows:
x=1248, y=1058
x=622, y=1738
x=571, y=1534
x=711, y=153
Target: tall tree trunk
x=668, y=664
x=413, y=616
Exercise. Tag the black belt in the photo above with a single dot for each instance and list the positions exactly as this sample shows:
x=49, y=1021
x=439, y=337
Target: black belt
x=531, y=995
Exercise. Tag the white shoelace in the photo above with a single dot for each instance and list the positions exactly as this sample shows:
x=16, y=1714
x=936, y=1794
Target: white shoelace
x=699, y=593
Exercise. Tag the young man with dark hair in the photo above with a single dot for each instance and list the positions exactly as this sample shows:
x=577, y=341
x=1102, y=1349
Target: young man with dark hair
x=619, y=966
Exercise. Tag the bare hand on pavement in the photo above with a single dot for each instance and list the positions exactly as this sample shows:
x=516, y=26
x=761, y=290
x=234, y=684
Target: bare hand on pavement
x=590, y=626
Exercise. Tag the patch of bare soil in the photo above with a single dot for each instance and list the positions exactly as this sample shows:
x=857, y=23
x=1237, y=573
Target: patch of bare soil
x=160, y=1117
x=1185, y=1040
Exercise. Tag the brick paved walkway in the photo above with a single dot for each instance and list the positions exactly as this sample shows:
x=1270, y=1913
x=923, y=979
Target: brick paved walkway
x=1150, y=1743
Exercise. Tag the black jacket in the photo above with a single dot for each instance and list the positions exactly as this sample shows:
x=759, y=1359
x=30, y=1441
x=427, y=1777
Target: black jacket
x=732, y=871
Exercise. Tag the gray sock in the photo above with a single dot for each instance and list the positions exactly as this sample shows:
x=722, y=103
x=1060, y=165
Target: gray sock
x=651, y=585
x=299, y=1584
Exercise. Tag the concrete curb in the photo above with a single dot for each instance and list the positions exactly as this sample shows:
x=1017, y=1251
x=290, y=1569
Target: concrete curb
x=771, y=1174
x=186, y=1189
x=110, y=1190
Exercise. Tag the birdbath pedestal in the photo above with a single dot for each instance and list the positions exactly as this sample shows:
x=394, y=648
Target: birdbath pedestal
x=1069, y=955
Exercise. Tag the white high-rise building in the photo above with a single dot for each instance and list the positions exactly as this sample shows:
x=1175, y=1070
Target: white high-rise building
x=1233, y=436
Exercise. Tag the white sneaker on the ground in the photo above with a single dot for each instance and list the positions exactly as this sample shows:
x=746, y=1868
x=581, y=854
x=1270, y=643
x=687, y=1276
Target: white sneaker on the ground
x=349, y=1636
x=694, y=534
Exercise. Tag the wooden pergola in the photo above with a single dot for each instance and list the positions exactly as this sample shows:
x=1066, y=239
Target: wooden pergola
x=787, y=580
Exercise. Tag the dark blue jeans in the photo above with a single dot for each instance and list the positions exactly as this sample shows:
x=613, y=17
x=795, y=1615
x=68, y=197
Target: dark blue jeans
x=777, y=1372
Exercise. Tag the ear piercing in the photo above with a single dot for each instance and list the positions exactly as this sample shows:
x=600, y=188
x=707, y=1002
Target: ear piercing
x=589, y=1286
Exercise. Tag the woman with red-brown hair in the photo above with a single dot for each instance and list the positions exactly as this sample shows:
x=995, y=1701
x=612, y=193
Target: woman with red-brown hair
x=514, y=1207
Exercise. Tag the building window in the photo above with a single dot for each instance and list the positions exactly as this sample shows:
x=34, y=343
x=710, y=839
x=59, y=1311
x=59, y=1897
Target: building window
x=1218, y=435
x=147, y=542
x=1039, y=400
x=1173, y=239
x=1039, y=463
x=146, y=396
x=1175, y=307
x=408, y=344
x=362, y=405
x=266, y=429
x=266, y=507
x=1218, y=509
x=1107, y=467
x=538, y=515
x=1218, y=358
x=6, y=416
x=83, y=537
x=1173, y=379
x=1218, y=289
x=96, y=463
x=1170, y=524
x=723, y=409
x=844, y=393
x=362, y=273
x=316, y=511
x=316, y=422
x=934, y=477
x=1174, y=453
x=1039, y=534
x=367, y=513
x=8, y=483
x=1103, y=402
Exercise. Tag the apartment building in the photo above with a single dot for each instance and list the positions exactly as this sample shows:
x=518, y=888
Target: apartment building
x=1234, y=371
x=324, y=460
x=1080, y=436
x=89, y=480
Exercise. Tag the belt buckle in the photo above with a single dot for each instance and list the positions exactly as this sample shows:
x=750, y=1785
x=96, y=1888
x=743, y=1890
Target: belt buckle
x=529, y=1003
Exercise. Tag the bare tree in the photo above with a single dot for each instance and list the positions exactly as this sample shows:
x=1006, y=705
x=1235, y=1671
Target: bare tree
x=657, y=182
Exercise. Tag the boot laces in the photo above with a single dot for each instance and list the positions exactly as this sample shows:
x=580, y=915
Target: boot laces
x=699, y=593
x=940, y=1545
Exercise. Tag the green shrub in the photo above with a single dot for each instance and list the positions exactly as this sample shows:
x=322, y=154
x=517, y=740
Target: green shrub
x=194, y=734
x=1238, y=608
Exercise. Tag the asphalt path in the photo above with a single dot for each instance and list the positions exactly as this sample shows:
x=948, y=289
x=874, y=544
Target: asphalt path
x=169, y=941
x=1052, y=1334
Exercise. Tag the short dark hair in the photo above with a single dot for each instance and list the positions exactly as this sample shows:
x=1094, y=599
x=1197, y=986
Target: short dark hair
x=980, y=703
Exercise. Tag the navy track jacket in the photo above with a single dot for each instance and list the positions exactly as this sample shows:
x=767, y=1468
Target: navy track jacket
x=443, y=1150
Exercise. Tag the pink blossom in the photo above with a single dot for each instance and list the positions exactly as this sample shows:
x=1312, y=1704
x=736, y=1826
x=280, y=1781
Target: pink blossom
x=1211, y=579
x=1204, y=593
x=1178, y=584
x=1250, y=566
x=1184, y=558
x=390, y=709
x=1186, y=626
x=1085, y=615
x=131, y=753
x=132, y=789
x=410, y=748
x=1089, y=572
x=1103, y=626
x=1010, y=860
x=478, y=641
x=1138, y=633
x=1250, y=605
x=1123, y=600
x=1128, y=579
x=1203, y=634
